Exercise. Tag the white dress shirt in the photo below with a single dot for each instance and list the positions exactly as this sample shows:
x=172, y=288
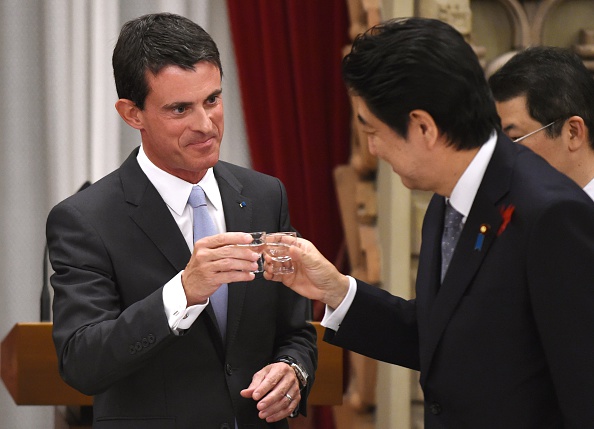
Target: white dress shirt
x=461, y=199
x=175, y=192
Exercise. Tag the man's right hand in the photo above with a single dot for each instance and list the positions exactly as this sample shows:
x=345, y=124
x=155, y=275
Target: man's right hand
x=315, y=277
x=216, y=261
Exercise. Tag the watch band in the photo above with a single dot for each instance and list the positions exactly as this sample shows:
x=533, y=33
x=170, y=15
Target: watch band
x=300, y=372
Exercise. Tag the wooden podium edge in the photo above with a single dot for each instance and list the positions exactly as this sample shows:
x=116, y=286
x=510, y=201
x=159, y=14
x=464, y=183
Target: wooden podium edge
x=329, y=384
x=29, y=369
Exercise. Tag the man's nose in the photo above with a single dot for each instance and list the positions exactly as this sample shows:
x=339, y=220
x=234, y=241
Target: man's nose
x=201, y=121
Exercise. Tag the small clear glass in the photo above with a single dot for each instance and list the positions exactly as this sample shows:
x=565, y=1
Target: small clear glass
x=277, y=247
x=257, y=245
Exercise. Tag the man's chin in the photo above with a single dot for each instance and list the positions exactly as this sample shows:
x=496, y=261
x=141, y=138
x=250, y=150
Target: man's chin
x=208, y=160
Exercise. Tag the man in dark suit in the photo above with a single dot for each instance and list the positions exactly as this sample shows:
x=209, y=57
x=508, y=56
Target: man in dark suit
x=502, y=335
x=134, y=323
x=545, y=98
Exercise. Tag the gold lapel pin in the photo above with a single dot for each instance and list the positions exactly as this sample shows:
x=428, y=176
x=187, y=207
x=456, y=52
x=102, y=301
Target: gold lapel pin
x=480, y=238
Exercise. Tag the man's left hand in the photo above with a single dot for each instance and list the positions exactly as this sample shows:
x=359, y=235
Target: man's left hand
x=276, y=389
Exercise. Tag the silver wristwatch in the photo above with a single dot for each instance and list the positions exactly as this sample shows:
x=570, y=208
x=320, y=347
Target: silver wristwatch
x=300, y=372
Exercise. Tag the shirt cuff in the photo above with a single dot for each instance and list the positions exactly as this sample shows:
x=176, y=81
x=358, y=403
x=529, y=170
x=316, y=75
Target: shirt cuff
x=333, y=317
x=179, y=316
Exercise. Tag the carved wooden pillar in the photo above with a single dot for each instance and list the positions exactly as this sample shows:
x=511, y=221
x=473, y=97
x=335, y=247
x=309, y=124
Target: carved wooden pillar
x=356, y=190
x=585, y=47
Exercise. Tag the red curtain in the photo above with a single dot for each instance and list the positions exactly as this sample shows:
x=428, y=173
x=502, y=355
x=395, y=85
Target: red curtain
x=296, y=109
x=295, y=104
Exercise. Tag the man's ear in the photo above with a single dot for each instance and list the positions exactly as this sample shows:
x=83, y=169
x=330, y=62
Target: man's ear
x=574, y=132
x=422, y=122
x=129, y=113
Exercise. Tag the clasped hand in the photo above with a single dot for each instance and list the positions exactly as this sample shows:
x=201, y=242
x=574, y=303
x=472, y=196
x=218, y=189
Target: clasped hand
x=276, y=389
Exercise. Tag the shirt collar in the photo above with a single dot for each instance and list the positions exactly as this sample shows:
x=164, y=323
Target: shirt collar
x=589, y=189
x=465, y=190
x=175, y=191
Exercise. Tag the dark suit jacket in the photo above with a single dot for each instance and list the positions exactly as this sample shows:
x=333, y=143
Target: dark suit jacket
x=507, y=340
x=113, y=246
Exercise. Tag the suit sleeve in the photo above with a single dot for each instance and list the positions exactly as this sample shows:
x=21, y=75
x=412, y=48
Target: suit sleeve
x=92, y=333
x=560, y=271
x=391, y=335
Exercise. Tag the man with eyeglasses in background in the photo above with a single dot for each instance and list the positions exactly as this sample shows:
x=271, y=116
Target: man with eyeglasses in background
x=545, y=99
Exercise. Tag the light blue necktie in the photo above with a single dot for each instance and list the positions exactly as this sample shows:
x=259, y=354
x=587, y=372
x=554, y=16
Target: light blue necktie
x=452, y=227
x=203, y=227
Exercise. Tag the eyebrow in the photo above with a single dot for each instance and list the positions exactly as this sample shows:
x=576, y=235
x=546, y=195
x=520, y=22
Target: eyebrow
x=177, y=104
x=215, y=93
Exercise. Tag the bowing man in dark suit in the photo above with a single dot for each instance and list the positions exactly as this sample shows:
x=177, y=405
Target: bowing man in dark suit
x=502, y=335
x=134, y=309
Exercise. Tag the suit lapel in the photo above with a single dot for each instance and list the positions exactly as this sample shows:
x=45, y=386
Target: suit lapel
x=150, y=213
x=238, y=217
x=430, y=259
x=435, y=310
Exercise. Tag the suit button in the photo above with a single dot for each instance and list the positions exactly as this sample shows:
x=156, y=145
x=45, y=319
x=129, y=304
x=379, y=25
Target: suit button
x=435, y=408
x=225, y=426
x=228, y=369
x=138, y=346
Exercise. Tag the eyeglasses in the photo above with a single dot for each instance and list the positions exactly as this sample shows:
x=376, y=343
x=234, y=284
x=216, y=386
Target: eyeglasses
x=519, y=139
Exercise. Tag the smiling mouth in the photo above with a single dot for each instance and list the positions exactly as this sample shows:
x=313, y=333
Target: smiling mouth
x=206, y=142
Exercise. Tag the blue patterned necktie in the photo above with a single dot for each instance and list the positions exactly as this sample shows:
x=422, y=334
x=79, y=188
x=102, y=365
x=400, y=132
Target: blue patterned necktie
x=203, y=227
x=452, y=227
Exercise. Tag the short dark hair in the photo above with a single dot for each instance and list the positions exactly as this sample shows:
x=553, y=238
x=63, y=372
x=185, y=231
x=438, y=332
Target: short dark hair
x=152, y=42
x=555, y=82
x=414, y=63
